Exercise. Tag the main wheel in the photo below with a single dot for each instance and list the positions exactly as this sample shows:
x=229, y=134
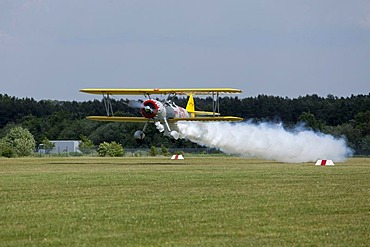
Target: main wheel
x=139, y=134
x=174, y=134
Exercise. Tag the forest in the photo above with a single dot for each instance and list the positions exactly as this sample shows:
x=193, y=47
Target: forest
x=347, y=117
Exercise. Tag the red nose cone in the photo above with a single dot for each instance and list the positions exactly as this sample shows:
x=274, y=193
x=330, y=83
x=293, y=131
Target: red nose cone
x=149, y=109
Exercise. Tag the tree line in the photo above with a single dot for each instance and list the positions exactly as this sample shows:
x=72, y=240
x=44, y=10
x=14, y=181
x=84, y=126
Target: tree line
x=65, y=120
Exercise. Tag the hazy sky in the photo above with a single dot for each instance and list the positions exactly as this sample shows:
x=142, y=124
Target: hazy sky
x=49, y=49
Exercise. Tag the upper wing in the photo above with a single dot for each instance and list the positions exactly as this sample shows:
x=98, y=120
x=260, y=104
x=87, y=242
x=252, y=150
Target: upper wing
x=171, y=120
x=180, y=91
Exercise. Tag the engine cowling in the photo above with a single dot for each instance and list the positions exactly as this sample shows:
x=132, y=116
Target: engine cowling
x=152, y=108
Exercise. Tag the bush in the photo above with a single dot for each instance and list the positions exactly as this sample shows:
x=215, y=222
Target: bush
x=153, y=151
x=76, y=154
x=18, y=142
x=112, y=149
x=6, y=150
x=165, y=151
x=86, y=145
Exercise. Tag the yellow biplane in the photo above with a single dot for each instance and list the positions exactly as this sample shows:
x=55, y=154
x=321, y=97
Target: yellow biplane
x=163, y=113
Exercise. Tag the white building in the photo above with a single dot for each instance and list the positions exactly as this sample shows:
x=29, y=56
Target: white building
x=63, y=147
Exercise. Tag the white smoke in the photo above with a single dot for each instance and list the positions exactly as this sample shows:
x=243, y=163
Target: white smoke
x=265, y=140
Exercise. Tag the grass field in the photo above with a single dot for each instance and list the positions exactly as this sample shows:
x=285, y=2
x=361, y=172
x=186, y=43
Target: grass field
x=199, y=201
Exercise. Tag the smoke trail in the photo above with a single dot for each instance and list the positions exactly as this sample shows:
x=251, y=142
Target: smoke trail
x=265, y=140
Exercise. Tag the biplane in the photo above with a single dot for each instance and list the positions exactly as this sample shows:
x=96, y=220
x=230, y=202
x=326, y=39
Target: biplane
x=163, y=113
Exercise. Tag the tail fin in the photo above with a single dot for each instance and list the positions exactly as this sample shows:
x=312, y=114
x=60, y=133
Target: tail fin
x=191, y=109
x=190, y=106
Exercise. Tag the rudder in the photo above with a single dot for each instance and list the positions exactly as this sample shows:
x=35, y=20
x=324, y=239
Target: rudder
x=190, y=106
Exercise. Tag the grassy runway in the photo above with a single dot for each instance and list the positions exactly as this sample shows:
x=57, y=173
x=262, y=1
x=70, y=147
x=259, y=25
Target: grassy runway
x=199, y=201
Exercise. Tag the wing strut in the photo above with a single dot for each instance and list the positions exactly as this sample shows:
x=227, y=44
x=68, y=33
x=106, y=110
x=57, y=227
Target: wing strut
x=216, y=104
x=108, y=104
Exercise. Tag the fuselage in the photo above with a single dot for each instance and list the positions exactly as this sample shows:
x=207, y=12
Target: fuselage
x=160, y=112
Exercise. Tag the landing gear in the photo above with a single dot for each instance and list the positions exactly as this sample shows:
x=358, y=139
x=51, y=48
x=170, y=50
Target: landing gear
x=174, y=134
x=139, y=135
x=161, y=127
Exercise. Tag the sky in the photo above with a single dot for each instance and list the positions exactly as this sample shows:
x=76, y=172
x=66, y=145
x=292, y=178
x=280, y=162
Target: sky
x=49, y=49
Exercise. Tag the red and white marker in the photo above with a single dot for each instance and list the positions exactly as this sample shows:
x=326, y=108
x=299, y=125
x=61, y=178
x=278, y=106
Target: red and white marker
x=324, y=163
x=177, y=157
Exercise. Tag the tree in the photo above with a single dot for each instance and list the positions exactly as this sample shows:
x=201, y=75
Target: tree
x=18, y=142
x=86, y=145
x=364, y=145
x=362, y=122
x=66, y=120
x=311, y=121
x=47, y=145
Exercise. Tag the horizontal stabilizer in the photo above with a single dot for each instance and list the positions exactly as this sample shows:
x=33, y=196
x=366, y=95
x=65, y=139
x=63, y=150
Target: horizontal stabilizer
x=205, y=113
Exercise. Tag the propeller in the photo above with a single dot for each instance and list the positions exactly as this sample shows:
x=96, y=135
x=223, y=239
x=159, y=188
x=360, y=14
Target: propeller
x=149, y=108
x=134, y=103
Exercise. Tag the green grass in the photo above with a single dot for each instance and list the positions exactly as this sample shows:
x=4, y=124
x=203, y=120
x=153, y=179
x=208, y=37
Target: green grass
x=199, y=201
